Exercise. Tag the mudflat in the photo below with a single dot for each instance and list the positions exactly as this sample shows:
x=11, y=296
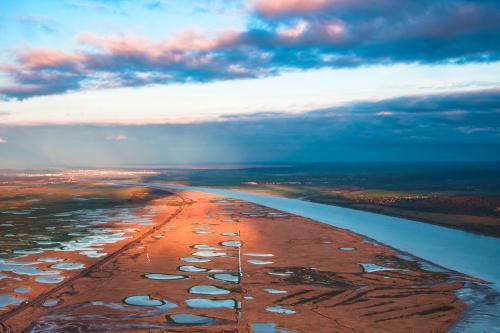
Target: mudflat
x=212, y=264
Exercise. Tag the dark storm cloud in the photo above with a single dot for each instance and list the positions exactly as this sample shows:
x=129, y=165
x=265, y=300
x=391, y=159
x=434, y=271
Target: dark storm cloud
x=281, y=35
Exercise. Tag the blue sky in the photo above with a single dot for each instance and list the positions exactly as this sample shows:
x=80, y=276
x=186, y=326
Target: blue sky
x=101, y=64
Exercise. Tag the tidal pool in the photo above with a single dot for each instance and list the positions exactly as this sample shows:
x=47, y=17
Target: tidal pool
x=148, y=301
x=233, y=243
x=24, y=268
x=157, y=276
x=259, y=254
x=190, y=319
x=370, y=268
x=280, y=309
x=68, y=266
x=50, y=303
x=204, y=247
x=268, y=328
x=208, y=290
x=50, y=260
x=229, y=234
x=192, y=259
x=259, y=262
x=202, y=303
x=226, y=277
x=192, y=269
x=22, y=290
x=209, y=254
x=275, y=291
x=6, y=300
x=50, y=279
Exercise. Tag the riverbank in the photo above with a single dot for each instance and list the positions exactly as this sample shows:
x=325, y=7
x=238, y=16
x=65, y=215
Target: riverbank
x=415, y=206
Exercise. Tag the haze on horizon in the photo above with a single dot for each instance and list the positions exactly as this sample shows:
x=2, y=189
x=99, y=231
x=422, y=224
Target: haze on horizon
x=110, y=82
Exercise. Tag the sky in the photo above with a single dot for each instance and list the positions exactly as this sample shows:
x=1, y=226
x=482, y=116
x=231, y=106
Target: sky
x=119, y=82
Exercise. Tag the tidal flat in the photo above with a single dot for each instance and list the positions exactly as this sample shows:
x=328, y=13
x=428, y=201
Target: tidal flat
x=265, y=268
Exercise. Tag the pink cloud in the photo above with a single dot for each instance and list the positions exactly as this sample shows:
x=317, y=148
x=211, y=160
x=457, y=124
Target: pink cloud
x=278, y=7
x=116, y=44
x=44, y=58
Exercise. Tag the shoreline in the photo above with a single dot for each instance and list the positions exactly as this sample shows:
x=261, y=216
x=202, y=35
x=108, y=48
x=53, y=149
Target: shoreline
x=388, y=211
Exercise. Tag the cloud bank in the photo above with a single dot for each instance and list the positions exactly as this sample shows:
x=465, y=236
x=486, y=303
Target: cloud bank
x=280, y=36
x=460, y=126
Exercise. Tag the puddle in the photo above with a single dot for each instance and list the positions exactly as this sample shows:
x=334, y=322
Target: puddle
x=50, y=303
x=22, y=290
x=93, y=254
x=231, y=243
x=50, y=260
x=204, y=247
x=68, y=266
x=279, y=274
x=50, y=279
x=347, y=248
x=200, y=303
x=370, y=268
x=279, y=309
x=208, y=290
x=229, y=234
x=146, y=300
x=157, y=276
x=259, y=254
x=192, y=269
x=275, y=291
x=23, y=268
x=189, y=319
x=259, y=262
x=231, y=278
x=6, y=300
x=191, y=259
x=269, y=328
x=209, y=254
x=248, y=298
